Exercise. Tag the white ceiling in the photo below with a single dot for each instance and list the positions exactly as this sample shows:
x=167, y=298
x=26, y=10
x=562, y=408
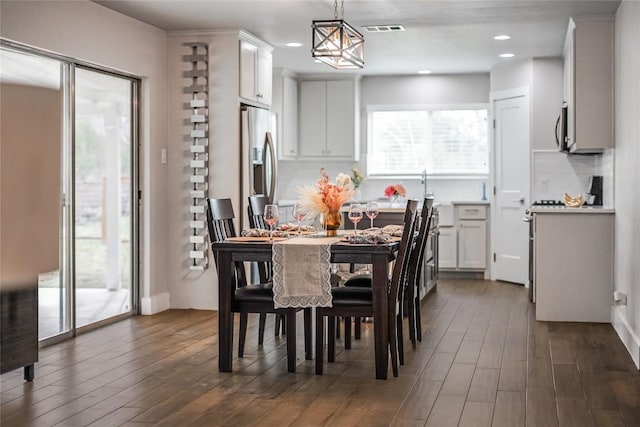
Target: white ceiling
x=451, y=36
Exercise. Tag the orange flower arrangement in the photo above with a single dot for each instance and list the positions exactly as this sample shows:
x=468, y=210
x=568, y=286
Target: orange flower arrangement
x=325, y=196
x=395, y=190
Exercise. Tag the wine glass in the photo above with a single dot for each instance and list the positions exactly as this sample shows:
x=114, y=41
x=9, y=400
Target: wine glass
x=355, y=215
x=271, y=217
x=372, y=211
x=298, y=215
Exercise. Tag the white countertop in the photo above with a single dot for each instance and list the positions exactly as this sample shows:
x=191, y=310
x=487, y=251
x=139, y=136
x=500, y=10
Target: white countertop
x=566, y=210
x=467, y=202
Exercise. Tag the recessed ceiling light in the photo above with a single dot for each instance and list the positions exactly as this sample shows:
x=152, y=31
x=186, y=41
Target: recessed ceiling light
x=502, y=37
x=294, y=44
x=507, y=55
x=424, y=71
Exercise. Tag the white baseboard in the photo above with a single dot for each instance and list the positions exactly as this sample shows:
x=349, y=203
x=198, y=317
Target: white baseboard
x=626, y=333
x=155, y=304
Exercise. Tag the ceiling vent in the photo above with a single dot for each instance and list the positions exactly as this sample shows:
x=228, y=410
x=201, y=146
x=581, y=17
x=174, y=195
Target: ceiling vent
x=383, y=28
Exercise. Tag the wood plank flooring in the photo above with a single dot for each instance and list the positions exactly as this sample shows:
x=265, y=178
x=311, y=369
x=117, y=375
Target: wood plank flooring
x=483, y=361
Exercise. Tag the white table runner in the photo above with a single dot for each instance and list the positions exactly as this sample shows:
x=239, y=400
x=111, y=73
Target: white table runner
x=302, y=272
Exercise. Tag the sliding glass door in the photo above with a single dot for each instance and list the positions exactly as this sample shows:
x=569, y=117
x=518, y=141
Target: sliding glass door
x=81, y=122
x=103, y=195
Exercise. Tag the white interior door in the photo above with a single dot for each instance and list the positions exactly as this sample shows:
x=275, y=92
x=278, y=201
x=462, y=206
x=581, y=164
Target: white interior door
x=511, y=178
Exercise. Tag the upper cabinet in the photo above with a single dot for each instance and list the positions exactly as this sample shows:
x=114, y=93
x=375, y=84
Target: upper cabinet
x=588, y=83
x=255, y=71
x=329, y=119
x=285, y=105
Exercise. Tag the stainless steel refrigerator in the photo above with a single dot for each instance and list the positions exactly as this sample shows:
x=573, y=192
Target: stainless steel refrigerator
x=259, y=160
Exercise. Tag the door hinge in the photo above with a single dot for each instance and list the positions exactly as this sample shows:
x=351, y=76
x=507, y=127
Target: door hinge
x=139, y=194
x=494, y=123
x=494, y=257
x=494, y=190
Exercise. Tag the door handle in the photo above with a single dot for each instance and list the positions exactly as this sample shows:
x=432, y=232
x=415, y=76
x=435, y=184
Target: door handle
x=520, y=200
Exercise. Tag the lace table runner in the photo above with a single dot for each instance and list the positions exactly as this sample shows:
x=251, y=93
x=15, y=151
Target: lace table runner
x=302, y=272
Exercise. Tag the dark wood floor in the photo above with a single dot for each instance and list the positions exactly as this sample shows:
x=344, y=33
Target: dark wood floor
x=483, y=361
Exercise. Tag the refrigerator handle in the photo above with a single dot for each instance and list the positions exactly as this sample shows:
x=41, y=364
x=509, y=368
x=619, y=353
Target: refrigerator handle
x=268, y=146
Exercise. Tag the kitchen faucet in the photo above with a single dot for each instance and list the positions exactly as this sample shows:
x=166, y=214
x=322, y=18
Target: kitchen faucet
x=423, y=181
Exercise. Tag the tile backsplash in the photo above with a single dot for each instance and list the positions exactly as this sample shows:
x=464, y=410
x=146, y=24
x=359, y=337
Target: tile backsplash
x=555, y=173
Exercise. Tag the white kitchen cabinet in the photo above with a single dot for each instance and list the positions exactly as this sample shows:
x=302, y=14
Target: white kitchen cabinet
x=573, y=267
x=588, y=83
x=285, y=106
x=463, y=240
x=328, y=120
x=472, y=244
x=448, y=248
x=255, y=72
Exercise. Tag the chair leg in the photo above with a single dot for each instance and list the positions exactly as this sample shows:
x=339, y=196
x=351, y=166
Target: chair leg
x=331, y=339
x=262, y=323
x=412, y=316
x=243, y=333
x=400, y=334
x=291, y=340
x=393, y=341
x=338, y=326
x=276, y=328
x=347, y=333
x=358, y=328
x=308, y=335
x=418, y=318
x=319, y=340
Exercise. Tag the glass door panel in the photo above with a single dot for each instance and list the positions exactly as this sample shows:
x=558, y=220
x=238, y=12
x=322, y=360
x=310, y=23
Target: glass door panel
x=32, y=133
x=103, y=196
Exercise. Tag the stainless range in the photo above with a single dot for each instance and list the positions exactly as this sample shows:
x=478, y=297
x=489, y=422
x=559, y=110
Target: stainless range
x=529, y=217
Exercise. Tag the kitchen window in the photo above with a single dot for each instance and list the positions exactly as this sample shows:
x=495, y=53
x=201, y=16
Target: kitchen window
x=445, y=141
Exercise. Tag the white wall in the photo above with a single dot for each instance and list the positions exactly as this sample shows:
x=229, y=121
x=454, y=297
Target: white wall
x=92, y=33
x=511, y=74
x=553, y=173
x=199, y=289
x=626, y=320
x=398, y=91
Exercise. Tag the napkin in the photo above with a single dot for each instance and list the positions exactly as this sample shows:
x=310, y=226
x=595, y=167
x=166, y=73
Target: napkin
x=261, y=232
x=294, y=227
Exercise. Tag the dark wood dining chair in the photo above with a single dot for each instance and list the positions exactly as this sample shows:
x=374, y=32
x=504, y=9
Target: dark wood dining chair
x=255, y=212
x=412, y=286
x=357, y=301
x=409, y=292
x=252, y=298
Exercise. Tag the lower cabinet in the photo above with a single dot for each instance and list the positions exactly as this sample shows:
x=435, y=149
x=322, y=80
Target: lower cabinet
x=573, y=266
x=463, y=244
x=472, y=244
x=448, y=248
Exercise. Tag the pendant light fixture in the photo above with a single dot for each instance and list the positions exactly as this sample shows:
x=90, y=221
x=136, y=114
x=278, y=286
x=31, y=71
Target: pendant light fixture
x=337, y=43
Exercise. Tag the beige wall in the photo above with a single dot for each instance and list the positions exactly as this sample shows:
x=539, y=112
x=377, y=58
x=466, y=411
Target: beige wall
x=30, y=144
x=627, y=173
x=87, y=31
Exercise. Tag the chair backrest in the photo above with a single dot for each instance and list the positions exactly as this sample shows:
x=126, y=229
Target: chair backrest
x=220, y=219
x=220, y=223
x=399, y=273
x=417, y=252
x=256, y=210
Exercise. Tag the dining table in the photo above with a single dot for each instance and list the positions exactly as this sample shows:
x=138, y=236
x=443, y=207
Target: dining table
x=378, y=255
